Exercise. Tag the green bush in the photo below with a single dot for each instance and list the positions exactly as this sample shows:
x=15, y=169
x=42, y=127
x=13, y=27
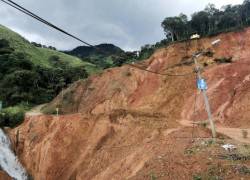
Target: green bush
x=12, y=116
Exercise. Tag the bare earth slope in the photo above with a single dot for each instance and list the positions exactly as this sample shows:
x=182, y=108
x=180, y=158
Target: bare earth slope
x=132, y=124
x=4, y=176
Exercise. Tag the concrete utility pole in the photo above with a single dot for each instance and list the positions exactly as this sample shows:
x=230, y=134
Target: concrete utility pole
x=208, y=109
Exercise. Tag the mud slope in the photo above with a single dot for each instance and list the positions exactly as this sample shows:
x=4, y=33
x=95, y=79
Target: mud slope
x=4, y=176
x=125, y=123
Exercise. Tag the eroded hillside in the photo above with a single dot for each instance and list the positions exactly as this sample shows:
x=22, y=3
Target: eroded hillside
x=131, y=124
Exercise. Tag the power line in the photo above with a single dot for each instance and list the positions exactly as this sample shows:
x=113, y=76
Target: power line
x=29, y=13
x=162, y=74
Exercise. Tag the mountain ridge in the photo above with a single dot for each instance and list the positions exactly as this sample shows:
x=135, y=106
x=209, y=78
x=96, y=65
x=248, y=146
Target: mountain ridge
x=103, y=49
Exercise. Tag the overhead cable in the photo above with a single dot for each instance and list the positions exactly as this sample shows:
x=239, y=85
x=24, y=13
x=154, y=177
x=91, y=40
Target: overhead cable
x=31, y=14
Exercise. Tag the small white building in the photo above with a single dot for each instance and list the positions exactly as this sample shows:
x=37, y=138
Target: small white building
x=195, y=36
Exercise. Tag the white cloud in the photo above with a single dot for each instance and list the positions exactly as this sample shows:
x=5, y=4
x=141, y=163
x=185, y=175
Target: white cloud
x=126, y=23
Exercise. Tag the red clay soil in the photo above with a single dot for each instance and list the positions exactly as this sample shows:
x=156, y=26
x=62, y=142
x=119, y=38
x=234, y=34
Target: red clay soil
x=4, y=176
x=125, y=123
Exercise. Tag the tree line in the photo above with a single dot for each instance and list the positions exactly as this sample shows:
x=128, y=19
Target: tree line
x=207, y=22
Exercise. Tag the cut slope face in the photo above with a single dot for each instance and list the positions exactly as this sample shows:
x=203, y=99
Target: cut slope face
x=131, y=88
x=125, y=123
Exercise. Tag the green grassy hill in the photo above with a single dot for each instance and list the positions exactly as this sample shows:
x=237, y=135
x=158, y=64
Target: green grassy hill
x=41, y=56
x=31, y=75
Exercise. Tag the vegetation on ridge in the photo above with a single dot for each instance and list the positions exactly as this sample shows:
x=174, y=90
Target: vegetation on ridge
x=207, y=22
x=103, y=55
x=30, y=75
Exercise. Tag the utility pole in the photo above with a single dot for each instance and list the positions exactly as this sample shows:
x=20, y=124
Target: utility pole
x=203, y=90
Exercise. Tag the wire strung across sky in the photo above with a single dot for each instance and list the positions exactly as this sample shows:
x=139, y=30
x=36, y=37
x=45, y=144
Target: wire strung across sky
x=162, y=74
x=38, y=18
x=29, y=13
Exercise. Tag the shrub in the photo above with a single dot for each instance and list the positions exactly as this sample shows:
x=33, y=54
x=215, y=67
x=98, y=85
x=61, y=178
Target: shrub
x=197, y=177
x=153, y=176
x=12, y=116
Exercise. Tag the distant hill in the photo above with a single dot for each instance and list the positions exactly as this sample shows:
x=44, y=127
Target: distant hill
x=99, y=50
x=103, y=55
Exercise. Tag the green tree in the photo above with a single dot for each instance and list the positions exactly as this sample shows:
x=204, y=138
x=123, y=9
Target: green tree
x=230, y=17
x=245, y=12
x=213, y=17
x=200, y=22
x=176, y=27
x=18, y=86
x=15, y=61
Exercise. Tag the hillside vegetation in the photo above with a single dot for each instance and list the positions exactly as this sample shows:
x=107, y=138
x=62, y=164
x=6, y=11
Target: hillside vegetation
x=30, y=75
x=102, y=49
x=40, y=56
x=207, y=23
x=103, y=55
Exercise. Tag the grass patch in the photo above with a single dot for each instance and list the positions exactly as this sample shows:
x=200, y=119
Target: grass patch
x=214, y=172
x=14, y=115
x=242, y=153
x=152, y=176
x=199, y=147
x=244, y=170
x=49, y=110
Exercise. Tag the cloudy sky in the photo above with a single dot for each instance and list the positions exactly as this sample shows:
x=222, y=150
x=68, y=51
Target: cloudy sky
x=128, y=24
